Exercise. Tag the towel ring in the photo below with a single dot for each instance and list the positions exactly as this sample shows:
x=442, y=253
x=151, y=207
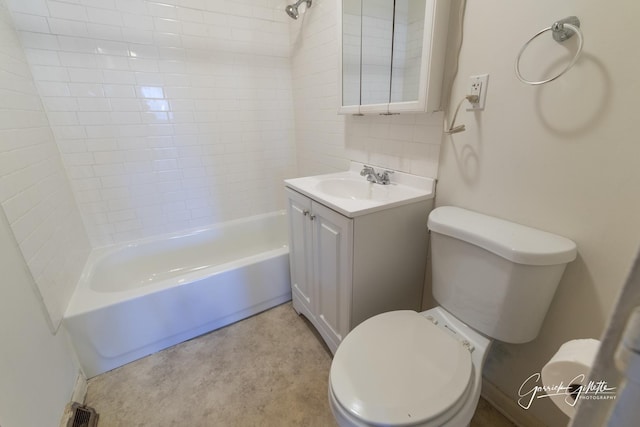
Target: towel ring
x=562, y=30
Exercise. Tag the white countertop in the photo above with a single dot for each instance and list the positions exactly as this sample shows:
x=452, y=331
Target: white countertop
x=359, y=197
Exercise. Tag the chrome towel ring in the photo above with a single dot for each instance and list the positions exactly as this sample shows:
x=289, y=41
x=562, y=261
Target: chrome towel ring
x=561, y=30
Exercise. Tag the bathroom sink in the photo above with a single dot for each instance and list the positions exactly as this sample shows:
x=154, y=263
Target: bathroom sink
x=354, y=189
x=352, y=195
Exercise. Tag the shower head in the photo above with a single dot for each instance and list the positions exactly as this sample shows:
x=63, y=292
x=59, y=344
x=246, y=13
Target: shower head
x=292, y=9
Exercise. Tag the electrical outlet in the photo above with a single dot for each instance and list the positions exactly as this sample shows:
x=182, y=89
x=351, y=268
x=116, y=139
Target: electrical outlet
x=478, y=87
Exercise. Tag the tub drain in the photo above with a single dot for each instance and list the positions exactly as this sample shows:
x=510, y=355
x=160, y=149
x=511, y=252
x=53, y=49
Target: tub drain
x=83, y=416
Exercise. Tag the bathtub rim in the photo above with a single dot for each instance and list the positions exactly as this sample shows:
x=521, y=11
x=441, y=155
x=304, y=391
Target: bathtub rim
x=85, y=298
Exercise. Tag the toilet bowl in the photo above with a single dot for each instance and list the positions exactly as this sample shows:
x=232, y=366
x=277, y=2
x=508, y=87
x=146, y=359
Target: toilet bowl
x=407, y=368
x=493, y=279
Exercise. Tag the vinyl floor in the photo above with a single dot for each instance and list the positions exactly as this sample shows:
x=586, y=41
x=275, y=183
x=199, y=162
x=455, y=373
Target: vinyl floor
x=268, y=370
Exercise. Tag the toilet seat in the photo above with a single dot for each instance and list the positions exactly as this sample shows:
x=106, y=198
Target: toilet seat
x=398, y=368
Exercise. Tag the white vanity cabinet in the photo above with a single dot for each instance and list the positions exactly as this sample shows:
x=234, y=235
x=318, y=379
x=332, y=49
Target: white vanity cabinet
x=345, y=270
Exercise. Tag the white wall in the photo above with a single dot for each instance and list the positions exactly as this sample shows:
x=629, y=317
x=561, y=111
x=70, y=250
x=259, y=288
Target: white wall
x=561, y=157
x=169, y=115
x=325, y=141
x=37, y=369
x=34, y=191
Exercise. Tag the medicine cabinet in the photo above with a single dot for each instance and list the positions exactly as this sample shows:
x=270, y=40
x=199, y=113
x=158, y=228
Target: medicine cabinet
x=392, y=55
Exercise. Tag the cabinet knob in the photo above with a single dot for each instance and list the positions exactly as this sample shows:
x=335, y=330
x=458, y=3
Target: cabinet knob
x=312, y=217
x=305, y=212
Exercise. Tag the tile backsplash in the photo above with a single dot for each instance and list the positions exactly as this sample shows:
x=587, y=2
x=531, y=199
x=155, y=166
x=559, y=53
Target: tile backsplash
x=168, y=115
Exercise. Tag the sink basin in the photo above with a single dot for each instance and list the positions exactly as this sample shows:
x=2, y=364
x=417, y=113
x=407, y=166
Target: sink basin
x=352, y=195
x=353, y=189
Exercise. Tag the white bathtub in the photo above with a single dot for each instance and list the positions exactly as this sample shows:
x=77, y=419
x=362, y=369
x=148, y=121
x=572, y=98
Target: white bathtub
x=133, y=300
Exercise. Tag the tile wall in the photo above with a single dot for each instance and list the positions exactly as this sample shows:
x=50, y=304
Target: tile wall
x=169, y=114
x=34, y=191
x=140, y=117
x=325, y=141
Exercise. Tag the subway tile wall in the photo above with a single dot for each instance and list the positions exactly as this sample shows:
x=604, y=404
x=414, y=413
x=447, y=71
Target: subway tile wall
x=34, y=191
x=169, y=114
x=325, y=141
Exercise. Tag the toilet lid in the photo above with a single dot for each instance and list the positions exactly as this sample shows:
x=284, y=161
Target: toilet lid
x=399, y=368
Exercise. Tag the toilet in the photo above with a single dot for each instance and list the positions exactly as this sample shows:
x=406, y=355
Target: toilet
x=493, y=279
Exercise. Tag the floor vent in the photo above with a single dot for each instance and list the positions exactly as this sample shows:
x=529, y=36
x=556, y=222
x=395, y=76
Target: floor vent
x=83, y=416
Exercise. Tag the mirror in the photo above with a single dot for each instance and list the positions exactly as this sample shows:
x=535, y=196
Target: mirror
x=351, y=36
x=407, y=50
x=376, y=47
x=392, y=55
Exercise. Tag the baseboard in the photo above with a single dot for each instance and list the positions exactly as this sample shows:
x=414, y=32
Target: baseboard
x=80, y=388
x=508, y=407
x=77, y=396
x=66, y=416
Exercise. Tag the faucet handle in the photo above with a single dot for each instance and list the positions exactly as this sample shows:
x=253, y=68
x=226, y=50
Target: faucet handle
x=366, y=170
x=385, y=178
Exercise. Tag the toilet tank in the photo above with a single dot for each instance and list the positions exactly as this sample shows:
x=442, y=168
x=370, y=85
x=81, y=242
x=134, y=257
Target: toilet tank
x=497, y=276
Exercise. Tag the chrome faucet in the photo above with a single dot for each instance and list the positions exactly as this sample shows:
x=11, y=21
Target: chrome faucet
x=374, y=177
x=369, y=172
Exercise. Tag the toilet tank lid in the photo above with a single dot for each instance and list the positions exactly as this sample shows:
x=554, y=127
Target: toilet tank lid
x=514, y=242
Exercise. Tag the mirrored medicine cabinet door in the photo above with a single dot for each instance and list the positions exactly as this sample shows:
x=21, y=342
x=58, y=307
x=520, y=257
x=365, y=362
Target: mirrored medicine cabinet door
x=392, y=55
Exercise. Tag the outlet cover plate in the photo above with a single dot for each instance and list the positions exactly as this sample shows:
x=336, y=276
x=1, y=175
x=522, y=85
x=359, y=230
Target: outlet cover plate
x=478, y=86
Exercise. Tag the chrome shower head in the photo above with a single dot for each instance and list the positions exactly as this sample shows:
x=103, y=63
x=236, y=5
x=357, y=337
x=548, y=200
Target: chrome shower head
x=292, y=9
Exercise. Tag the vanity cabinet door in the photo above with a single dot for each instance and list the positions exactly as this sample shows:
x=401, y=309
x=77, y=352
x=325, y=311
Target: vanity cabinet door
x=321, y=263
x=300, y=251
x=333, y=259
